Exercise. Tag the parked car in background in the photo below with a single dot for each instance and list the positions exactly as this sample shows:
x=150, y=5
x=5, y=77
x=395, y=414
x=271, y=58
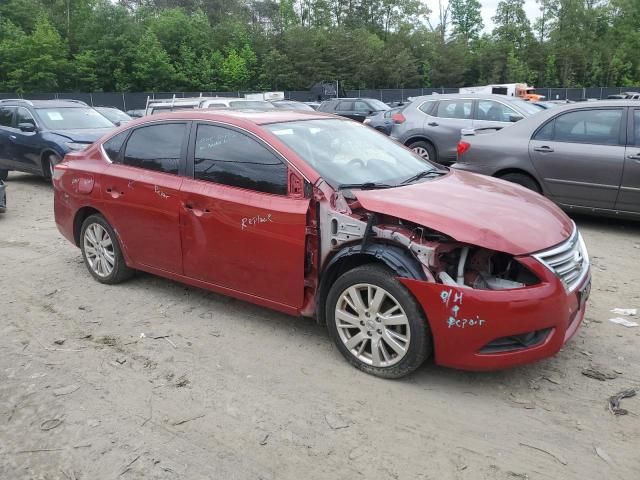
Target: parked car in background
x=625, y=96
x=115, y=115
x=291, y=105
x=207, y=103
x=354, y=108
x=383, y=121
x=583, y=156
x=430, y=125
x=36, y=135
x=136, y=113
x=316, y=215
x=3, y=196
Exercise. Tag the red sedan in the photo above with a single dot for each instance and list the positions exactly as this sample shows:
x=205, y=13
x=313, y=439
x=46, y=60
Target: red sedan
x=315, y=215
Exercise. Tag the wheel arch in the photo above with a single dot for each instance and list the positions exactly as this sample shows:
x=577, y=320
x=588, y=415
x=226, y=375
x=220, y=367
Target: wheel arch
x=44, y=154
x=421, y=138
x=521, y=171
x=397, y=259
x=81, y=215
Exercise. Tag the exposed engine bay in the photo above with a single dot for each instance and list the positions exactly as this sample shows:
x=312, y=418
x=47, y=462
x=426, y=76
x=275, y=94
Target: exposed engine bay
x=442, y=259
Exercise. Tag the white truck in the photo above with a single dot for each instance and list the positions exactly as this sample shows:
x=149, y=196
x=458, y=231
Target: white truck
x=521, y=90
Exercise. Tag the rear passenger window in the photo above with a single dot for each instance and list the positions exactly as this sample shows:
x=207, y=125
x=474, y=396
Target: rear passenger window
x=545, y=133
x=113, y=146
x=636, y=123
x=428, y=107
x=232, y=158
x=455, y=109
x=156, y=147
x=599, y=127
x=345, y=106
x=6, y=115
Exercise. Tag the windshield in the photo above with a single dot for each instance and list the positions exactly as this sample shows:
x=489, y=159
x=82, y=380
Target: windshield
x=377, y=104
x=345, y=152
x=525, y=107
x=72, y=118
x=250, y=104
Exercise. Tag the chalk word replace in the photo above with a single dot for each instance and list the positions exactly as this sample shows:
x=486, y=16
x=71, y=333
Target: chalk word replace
x=160, y=193
x=247, y=222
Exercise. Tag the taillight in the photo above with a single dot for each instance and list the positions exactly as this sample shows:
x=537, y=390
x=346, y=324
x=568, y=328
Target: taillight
x=462, y=147
x=398, y=118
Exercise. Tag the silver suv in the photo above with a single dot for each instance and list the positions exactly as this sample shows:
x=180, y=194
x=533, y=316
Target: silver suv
x=431, y=124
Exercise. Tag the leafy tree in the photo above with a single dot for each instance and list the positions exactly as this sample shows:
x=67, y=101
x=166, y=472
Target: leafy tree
x=466, y=18
x=151, y=66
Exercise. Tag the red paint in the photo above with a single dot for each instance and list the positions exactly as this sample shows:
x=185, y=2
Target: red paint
x=254, y=246
x=477, y=210
x=462, y=147
x=505, y=312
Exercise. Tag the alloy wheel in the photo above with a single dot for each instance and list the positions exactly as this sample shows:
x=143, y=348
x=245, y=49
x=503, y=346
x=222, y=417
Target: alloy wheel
x=423, y=152
x=99, y=250
x=372, y=325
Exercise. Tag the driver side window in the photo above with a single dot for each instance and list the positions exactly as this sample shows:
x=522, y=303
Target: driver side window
x=23, y=116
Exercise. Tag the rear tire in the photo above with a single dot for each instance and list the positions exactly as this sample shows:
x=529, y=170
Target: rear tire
x=424, y=149
x=522, y=179
x=4, y=174
x=101, y=251
x=367, y=308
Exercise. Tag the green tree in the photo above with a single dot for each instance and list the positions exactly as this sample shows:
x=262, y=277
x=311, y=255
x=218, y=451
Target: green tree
x=466, y=18
x=151, y=67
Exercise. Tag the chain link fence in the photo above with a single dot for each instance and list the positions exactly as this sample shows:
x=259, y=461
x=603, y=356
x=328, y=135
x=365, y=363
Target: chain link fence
x=138, y=100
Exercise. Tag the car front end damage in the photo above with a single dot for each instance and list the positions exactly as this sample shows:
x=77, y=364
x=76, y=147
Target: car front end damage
x=486, y=309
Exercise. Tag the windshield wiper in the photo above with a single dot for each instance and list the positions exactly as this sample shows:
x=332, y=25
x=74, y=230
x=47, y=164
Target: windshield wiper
x=364, y=185
x=423, y=174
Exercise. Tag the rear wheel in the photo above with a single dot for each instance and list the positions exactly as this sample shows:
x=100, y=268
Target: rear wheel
x=425, y=149
x=522, y=179
x=376, y=324
x=101, y=251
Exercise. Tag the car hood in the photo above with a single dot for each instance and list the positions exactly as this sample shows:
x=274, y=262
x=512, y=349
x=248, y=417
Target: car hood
x=89, y=135
x=477, y=210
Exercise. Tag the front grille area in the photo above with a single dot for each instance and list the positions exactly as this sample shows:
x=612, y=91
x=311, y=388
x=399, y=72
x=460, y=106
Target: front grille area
x=569, y=260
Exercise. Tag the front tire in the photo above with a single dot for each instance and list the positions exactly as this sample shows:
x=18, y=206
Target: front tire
x=101, y=251
x=376, y=324
x=50, y=161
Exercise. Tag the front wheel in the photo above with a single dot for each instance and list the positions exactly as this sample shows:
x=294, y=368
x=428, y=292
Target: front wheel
x=48, y=164
x=376, y=323
x=425, y=150
x=101, y=251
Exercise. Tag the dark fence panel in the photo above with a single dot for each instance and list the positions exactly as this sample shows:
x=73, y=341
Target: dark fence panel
x=138, y=100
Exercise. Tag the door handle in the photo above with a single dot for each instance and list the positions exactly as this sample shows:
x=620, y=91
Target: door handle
x=196, y=211
x=543, y=149
x=634, y=157
x=12, y=137
x=433, y=124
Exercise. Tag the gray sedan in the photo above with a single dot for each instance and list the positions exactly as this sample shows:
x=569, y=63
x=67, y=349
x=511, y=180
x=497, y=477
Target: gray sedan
x=430, y=125
x=585, y=157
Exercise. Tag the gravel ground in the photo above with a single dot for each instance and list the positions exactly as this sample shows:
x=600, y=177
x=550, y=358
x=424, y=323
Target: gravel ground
x=218, y=388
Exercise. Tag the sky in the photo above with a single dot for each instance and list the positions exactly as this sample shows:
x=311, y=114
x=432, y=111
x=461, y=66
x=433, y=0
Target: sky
x=531, y=8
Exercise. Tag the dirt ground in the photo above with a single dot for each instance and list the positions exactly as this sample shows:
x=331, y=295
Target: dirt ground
x=235, y=391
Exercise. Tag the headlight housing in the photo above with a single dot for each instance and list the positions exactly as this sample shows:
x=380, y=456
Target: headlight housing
x=76, y=147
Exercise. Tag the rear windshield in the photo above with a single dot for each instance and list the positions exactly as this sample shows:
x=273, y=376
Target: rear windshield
x=526, y=107
x=72, y=118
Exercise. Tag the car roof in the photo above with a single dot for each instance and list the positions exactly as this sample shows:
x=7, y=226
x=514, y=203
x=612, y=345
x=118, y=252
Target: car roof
x=44, y=103
x=239, y=116
x=453, y=96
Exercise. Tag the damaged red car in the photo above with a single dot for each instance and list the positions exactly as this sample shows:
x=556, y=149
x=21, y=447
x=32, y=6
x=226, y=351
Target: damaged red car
x=315, y=215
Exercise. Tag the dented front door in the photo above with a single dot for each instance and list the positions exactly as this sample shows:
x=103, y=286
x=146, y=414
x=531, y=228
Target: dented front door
x=241, y=229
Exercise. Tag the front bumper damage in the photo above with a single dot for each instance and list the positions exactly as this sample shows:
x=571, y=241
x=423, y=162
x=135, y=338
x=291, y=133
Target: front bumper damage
x=495, y=329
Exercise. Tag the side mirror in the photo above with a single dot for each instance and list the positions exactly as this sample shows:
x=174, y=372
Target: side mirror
x=27, y=127
x=117, y=123
x=515, y=118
